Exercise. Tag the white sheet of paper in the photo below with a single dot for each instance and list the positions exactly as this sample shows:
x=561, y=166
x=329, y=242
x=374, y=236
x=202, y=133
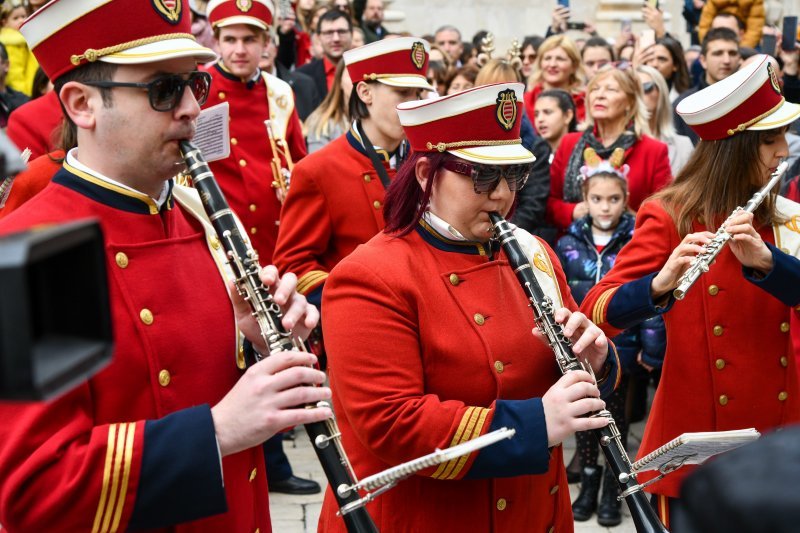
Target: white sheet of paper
x=213, y=136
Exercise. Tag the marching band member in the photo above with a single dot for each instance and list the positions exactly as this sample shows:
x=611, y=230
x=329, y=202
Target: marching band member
x=246, y=175
x=729, y=362
x=168, y=435
x=429, y=335
x=337, y=194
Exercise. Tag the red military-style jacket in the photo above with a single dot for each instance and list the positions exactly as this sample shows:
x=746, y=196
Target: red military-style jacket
x=32, y=180
x=35, y=125
x=335, y=203
x=729, y=362
x=135, y=445
x=429, y=345
x=245, y=176
x=649, y=172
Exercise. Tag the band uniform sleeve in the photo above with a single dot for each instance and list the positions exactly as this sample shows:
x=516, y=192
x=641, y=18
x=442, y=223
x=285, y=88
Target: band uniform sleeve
x=58, y=468
x=378, y=377
x=783, y=281
x=305, y=230
x=622, y=297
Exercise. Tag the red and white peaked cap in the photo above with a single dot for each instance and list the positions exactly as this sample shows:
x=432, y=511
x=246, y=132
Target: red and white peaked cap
x=750, y=99
x=480, y=124
x=257, y=13
x=65, y=34
x=400, y=62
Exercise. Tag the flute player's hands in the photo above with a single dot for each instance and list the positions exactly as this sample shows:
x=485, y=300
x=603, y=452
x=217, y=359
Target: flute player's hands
x=678, y=262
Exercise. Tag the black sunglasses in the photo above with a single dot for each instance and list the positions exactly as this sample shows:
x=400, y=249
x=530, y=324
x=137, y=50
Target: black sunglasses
x=486, y=178
x=165, y=92
x=648, y=87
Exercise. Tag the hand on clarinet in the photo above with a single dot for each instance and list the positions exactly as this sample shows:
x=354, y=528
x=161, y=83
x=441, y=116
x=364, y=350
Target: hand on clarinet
x=269, y=397
x=678, y=262
x=298, y=315
x=747, y=245
x=566, y=404
x=588, y=341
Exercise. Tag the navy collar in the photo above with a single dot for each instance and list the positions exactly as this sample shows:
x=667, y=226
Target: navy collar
x=227, y=74
x=107, y=194
x=440, y=242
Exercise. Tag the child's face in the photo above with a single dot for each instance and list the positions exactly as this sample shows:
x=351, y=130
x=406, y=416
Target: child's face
x=16, y=18
x=607, y=200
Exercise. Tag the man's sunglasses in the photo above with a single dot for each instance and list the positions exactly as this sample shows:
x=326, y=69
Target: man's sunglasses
x=165, y=92
x=486, y=178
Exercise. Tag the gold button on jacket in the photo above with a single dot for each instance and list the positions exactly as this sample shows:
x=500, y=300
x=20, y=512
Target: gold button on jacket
x=783, y=396
x=122, y=260
x=501, y=504
x=723, y=400
x=718, y=331
x=377, y=204
x=713, y=290
x=499, y=366
x=164, y=378
x=720, y=364
x=454, y=279
x=146, y=316
x=784, y=327
x=479, y=319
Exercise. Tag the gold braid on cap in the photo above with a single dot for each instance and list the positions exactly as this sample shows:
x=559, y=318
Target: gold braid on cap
x=744, y=126
x=91, y=55
x=373, y=76
x=441, y=147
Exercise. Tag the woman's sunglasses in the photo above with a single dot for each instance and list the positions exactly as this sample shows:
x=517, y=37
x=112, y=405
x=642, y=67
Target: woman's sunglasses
x=165, y=92
x=486, y=178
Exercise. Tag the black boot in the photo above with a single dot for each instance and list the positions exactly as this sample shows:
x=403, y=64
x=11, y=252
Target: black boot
x=608, y=513
x=586, y=502
x=574, y=469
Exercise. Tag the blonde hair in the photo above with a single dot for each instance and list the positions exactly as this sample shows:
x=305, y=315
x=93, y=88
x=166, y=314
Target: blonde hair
x=332, y=110
x=497, y=71
x=637, y=111
x=665, y=127
x=563, y=42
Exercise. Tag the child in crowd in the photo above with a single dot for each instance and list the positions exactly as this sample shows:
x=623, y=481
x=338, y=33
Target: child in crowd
x=587, y=252
x=22, y=64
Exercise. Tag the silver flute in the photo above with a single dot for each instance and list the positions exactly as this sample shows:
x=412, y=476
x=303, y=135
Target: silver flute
x=702, y=262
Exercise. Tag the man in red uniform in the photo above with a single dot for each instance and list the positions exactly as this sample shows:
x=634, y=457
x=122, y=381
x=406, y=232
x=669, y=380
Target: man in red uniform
x=246, y=176
x=169, y=434
x=336, y=199
x=254, y=96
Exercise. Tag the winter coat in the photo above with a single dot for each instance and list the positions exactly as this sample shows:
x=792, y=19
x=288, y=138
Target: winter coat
x=749, y=11
x=584, y=265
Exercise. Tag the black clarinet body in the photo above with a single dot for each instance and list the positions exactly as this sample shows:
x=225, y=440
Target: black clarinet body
x=325, y=436
x=643, y=514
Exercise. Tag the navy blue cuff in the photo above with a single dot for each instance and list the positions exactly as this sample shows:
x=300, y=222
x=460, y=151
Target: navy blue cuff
x=632, y=304
x=783, y=281
x=315, y=297
x=607, y=386
x=525, y=453
x=181, y=476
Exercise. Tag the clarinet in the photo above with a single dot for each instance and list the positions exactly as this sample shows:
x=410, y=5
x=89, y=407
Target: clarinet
x=702, y=262
x=325, y=436
x=644, y=516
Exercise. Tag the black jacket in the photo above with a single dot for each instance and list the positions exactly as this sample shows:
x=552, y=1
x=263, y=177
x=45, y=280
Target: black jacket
x=532, y=199
x=306, y=96
x=316, y=71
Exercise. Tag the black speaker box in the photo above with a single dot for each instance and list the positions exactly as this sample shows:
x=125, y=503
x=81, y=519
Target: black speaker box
x=55, y=320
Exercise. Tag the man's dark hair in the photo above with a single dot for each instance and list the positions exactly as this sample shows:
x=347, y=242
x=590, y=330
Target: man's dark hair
x=332, y=15
x=739, y=21
x=532, y=40
x=718, y=34
x=97, y=71
x=597, y=42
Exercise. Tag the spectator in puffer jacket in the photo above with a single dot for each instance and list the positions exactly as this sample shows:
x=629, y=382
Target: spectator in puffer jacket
x=587, y=252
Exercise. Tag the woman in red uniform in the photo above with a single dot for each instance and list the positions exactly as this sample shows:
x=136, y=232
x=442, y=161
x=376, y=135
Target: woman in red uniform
x=729, y=361
x=429, y=335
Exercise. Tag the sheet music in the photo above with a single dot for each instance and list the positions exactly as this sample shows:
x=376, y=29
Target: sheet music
x=693, y=448
x=213, y=136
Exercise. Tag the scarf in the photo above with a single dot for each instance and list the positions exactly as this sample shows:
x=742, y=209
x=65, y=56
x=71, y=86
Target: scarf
x=572, y=176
